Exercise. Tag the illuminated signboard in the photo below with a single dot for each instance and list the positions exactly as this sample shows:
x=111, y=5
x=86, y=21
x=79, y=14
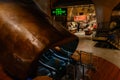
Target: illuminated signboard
x=80, y=18
x=59, y=12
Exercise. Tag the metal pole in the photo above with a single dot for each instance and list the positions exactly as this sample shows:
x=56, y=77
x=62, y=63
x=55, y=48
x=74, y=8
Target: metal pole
x=83, y=72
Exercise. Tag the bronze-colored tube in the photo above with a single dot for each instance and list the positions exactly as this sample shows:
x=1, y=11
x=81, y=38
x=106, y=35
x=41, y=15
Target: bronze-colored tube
x=23, y=37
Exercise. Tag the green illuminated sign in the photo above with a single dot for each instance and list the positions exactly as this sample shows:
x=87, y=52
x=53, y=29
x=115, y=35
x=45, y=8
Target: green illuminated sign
x=59, y=11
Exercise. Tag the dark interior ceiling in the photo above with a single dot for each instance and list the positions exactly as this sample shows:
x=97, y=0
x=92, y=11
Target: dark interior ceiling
x=71, y=2
x=117, y=7
x=77, y=2
x=68, y=3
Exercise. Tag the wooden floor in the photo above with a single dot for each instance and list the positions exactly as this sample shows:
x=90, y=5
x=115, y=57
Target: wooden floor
x=100, y=69
x=106, y=61
x=111, y=55
x=104, y=70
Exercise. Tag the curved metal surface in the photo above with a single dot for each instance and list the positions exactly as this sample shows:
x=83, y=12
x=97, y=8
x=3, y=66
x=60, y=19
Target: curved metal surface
x=24, y=36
